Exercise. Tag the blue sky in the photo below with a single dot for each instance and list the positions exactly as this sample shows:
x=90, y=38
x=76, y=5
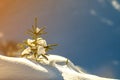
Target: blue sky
x=87, y=31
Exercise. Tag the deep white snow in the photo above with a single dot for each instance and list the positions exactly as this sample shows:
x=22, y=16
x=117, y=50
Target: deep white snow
x=55, y=68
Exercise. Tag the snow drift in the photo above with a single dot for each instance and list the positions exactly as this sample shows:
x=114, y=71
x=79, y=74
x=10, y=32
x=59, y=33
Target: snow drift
x=55, y=68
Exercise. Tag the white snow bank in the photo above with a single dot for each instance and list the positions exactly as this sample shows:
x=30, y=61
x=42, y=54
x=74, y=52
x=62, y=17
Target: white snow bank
x=55, y=68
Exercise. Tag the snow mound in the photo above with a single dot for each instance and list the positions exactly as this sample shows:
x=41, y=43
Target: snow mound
x=55, y=68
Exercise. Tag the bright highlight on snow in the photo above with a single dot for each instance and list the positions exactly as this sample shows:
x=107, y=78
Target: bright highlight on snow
x=36, y=64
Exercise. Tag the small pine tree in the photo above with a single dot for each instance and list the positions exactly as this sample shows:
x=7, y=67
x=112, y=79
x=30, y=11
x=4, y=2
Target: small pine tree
x=34, y=43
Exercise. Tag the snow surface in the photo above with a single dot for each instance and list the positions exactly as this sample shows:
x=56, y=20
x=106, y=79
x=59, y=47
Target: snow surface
x=55, y=68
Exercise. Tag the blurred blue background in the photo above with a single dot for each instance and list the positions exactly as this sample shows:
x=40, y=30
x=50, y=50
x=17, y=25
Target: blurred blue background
x=87, y=31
